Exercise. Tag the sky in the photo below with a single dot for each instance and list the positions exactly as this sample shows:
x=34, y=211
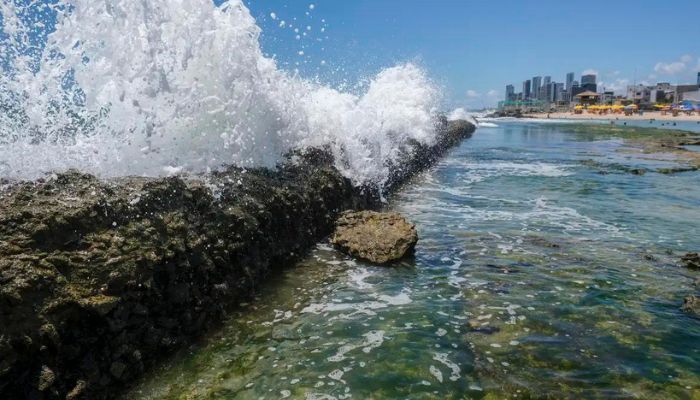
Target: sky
x=474, y=48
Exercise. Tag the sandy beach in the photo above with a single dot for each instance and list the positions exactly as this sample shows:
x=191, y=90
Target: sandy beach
x=608, y=117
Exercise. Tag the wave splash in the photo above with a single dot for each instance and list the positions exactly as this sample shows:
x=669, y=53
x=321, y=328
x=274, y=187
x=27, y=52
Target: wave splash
x=130, y=87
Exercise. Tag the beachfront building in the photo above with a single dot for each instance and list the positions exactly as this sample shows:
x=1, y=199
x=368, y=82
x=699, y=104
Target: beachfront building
x=607, y=98
x=681, y=90
x=661, y=93
x=587, y=98
x=639, y=94
x=692, y=96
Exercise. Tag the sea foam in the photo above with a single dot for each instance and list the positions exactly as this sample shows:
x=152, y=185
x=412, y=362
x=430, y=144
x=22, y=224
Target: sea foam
x=130, y=87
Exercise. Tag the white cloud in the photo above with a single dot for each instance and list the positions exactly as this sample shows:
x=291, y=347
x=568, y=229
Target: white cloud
x=675, y=67
x=472, y=94
x=492, y=93
x=619, y=86
x=670, y=68
x=589, y=72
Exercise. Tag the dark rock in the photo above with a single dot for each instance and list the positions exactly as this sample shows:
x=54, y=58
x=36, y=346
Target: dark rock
x=691, y=304
x=691, y=260
x=373, y=236
x=99, y=279
x=117, y=369
x=675, y=170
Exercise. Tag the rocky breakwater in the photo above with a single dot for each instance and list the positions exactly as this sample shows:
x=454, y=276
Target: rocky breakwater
x=99, y=279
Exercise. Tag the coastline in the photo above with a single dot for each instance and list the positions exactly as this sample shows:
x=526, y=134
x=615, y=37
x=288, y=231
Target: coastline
x=648, y=115
x=103, y=278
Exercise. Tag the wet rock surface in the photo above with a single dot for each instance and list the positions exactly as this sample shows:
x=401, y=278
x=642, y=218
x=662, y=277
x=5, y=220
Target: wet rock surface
x=100, y=279
x=691, y=260
x=691, y=305
x=374, y=236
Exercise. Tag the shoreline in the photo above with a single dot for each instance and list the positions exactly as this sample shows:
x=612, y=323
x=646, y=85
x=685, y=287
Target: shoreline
x=647, y=116
x=101, y=279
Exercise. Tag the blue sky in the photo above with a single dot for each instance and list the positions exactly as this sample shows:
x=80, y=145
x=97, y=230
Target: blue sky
x=474, y=48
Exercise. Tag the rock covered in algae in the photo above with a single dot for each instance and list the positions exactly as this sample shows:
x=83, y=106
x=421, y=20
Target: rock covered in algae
x=374, y=236
x=691, y=260
x=101, y=278
x=691, y=304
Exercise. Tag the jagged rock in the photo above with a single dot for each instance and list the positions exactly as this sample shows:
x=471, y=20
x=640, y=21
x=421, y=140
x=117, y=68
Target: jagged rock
x=373, y=236
x=691, y=304
x=691, y=260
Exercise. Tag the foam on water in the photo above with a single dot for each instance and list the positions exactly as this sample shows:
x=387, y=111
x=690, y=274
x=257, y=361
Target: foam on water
x=129, y=87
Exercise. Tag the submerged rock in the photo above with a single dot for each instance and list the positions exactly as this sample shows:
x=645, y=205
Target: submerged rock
x=691, y=304
x=691, y=260
x=373, y=236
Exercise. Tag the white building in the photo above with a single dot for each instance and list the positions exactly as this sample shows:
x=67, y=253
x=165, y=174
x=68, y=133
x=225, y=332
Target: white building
x=639, y=93
x=692, y=96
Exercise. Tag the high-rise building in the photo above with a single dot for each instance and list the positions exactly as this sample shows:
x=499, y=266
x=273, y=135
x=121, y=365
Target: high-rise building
x=588, y=82
x=587, y=79
x=559, y=92
x=569, y=81
x=569, y=85
x=698, y=78
x=545, y=90
x=535, y=88
x=548, y=92
x=526, y=89
x=510, y=92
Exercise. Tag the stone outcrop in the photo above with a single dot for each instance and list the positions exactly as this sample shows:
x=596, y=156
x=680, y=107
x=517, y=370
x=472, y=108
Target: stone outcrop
x=374, y=236
x=691, y=260
x=691, y=304
x=99, y=279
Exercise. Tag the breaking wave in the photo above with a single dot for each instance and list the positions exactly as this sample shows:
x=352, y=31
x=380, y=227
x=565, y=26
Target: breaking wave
x=130, y=87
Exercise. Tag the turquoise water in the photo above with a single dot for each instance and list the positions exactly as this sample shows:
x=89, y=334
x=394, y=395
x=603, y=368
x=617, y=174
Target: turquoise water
x=538, y=275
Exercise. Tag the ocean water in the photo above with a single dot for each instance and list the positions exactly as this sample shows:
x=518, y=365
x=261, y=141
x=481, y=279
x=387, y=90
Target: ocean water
x=537, y=275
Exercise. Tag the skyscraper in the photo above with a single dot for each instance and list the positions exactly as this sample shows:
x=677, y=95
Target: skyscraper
x=526, y=89
x=535, y=88
x=588, y=82
x=559, y=91
x=569, y=81
x=698, y=78
x=510, y=92
x=545, y=91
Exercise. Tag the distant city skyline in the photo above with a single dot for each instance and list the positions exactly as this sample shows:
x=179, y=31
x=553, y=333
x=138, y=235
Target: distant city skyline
x=473, y=49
